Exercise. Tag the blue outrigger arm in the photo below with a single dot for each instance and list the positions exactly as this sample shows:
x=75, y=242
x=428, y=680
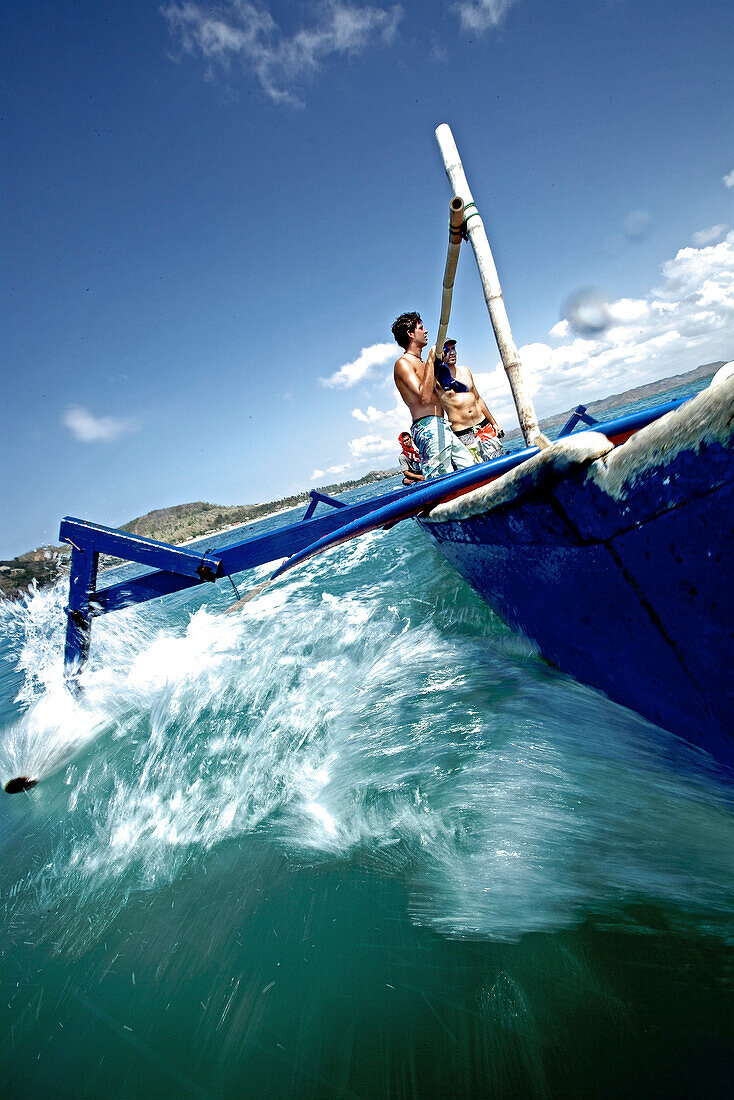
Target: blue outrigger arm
x=174, y=568
x=88, y=541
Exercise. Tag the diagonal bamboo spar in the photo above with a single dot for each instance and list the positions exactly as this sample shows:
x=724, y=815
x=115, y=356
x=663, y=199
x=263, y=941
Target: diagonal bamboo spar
x=491, y=287
x=456, y=222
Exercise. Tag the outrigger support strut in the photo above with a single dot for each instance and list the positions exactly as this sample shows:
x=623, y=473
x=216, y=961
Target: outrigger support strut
x=88, y=541
x=579, y=415
x=83, y=581
x=174, y=568
x=317, y=497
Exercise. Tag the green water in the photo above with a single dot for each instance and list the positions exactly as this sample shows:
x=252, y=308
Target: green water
x=358, y=841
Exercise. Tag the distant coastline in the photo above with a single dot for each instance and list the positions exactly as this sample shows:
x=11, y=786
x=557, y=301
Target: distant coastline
x=637, y=393
x=184, y=523
x=180, y=524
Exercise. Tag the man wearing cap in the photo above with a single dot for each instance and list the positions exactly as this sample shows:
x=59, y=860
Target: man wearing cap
x=439, y=450
x=471, y=420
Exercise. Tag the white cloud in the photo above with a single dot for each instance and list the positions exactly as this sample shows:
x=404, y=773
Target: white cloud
x=626, y=310
x=395, y=419
x=728, y=180
x=694, y=270
x=561, y=329
x=317, y=475
x=88, y=428
x=712, y=235
x=479, y=15
x=352, y=373
x=370, y=416
x=237, y=29
x=374, y=446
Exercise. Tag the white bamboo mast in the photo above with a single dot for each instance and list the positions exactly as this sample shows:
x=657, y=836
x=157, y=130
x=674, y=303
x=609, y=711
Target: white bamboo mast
x=491, y=286
x=456, y=221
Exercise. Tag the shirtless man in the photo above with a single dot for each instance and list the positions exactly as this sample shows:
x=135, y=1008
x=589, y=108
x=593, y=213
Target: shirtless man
x=438, y=448
x=471, y=420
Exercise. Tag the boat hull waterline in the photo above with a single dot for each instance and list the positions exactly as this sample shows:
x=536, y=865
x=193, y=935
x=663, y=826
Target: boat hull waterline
x=617, y=563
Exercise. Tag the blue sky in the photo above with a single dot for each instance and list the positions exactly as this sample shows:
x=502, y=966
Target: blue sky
x=213, y=213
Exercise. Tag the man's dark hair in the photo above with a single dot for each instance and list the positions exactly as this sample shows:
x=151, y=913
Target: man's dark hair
x=404, y=326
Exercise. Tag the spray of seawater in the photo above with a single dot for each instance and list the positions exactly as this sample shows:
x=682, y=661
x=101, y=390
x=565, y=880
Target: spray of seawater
x=368, y=707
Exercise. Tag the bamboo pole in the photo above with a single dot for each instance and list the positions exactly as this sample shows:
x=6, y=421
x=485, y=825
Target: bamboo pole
x=456, y=221
x=491, y=287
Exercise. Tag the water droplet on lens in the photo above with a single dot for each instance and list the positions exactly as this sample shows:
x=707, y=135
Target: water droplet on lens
x=636, y=225
x=587, y=312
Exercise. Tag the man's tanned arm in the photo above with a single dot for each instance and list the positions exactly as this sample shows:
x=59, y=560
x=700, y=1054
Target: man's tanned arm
x=484, y=409
x=429, y=377
x=487, y=413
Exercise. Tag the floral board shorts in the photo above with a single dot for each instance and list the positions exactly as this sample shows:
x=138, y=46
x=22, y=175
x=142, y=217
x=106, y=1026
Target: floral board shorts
x=480, y=442
x=439, y=449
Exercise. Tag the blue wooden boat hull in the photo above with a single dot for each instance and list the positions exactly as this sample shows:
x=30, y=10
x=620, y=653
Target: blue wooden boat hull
x=619, y=567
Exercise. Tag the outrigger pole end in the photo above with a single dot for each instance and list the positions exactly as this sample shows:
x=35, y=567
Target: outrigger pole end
x=456, y=229
x=491, y=286
x=86, y=602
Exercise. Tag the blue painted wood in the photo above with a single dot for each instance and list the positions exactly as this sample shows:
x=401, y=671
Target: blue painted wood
x=178, y=568
x=322, y=498
x=577, y=416
x=79, y=612
x=121, y=544
x=245, y=554
x=416, y=499
x=632, y=422
x=630, y=598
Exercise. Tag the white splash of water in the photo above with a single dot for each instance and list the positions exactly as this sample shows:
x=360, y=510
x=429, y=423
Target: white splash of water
x=338, y=717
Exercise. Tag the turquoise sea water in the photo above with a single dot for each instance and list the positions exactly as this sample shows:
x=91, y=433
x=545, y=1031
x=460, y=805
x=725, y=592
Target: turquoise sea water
x=358, y=840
